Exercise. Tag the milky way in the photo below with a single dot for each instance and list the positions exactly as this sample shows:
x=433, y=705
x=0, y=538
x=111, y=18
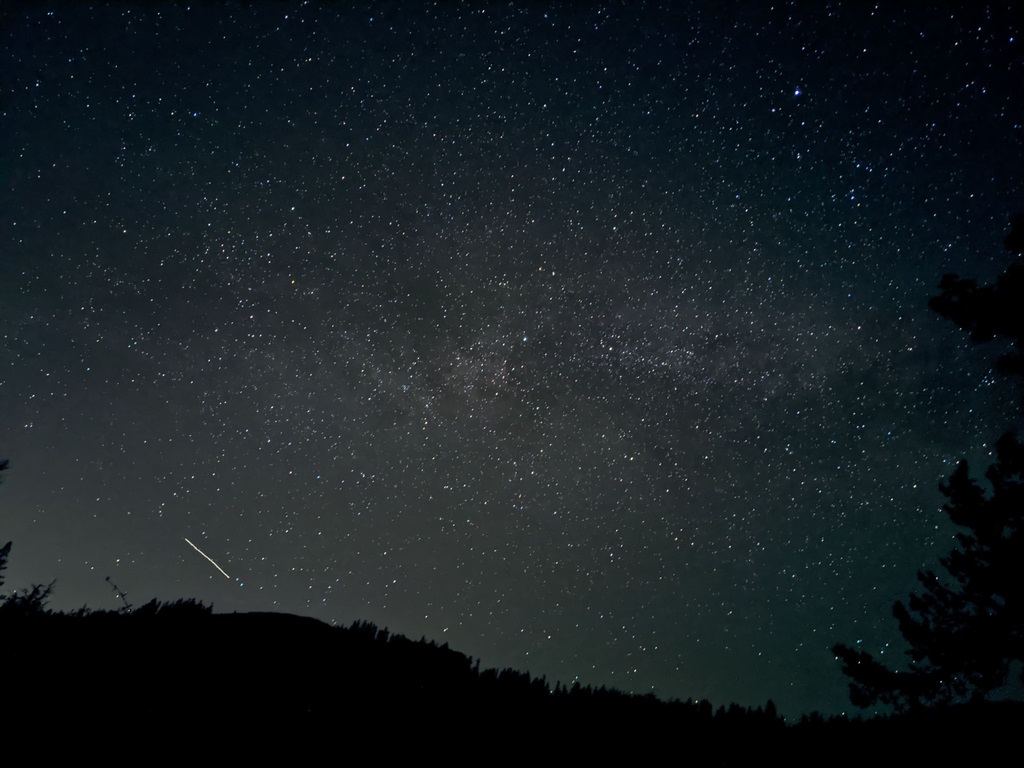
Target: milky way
x=590, y=340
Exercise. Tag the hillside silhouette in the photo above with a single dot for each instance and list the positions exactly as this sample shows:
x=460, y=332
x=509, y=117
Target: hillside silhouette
x=179, y=665
x=167, y=658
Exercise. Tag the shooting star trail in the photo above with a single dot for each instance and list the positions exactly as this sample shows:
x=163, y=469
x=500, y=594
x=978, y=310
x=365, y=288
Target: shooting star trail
x=197, y=549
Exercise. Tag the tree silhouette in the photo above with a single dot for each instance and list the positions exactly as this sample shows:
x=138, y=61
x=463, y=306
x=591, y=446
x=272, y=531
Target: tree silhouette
x=5, y=550
x=965, y=633
x=31, y=601
x=991, y=311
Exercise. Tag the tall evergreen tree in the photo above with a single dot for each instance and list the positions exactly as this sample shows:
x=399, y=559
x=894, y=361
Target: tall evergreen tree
x=965, y=632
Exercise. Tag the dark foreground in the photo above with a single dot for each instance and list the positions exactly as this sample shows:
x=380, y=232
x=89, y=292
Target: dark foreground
x=181, y=668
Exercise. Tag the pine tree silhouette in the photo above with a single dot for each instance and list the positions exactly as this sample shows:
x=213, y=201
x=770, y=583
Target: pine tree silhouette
x=991, y=311
x=966, y=631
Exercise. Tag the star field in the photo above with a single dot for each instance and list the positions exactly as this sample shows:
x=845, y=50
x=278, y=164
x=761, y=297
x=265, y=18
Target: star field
x=590, y=339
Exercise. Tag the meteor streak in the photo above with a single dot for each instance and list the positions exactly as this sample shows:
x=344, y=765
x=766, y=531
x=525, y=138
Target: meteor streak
x=197, y=549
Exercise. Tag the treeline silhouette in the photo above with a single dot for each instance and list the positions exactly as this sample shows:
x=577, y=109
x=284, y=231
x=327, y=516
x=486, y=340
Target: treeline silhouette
x=166, y=657
x=176, y=664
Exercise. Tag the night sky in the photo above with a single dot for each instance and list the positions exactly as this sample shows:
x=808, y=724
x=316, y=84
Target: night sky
x=591, y=339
